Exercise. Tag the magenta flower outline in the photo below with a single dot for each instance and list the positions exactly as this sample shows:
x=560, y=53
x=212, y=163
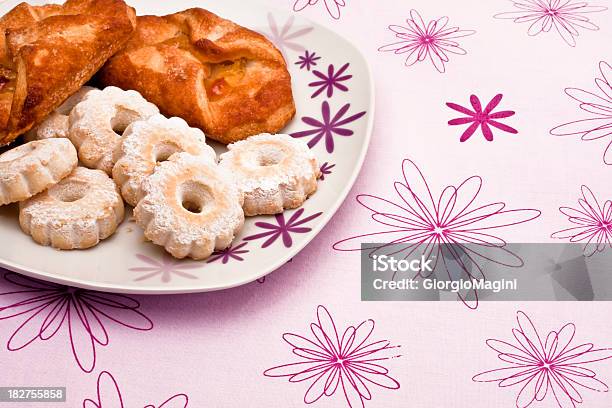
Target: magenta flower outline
x=109, y=396
x=48, y=307
x=165, y=268
x=328, y=126
x=350, y=363
x=565, y=16
x=283, y=228
x=597, y=103
x=230, y=253
x=434, y=40
x=479, y=118
x=333, y=6
x=308, y=60
x=440, y=225
x=330, y=81
x=594, y=223
x=554, y=366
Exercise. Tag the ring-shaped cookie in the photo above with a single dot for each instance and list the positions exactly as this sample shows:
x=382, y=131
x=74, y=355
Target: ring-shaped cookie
x=275, y=172
x=33, y=167
x=77, y=213
x=191, y=207
x=56, y=124
x=146, y=144
x=98, y=122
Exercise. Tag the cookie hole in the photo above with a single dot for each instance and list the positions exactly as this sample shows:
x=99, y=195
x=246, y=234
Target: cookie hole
x=119, y=128
x=268, y=161
x=69, y=191
x=123, y=119
x=165, y=150
x=192, y=207
x=17, y=152
x=195, y=197
x=270, y=156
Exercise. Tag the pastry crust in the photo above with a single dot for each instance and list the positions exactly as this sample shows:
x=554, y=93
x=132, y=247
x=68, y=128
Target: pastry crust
x=227, y=80
x=48, y=52
x=33, y=167
x=275, y=172
x=77, y=213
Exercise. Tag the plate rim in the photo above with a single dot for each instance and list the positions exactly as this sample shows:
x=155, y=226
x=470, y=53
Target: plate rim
x=325, y=217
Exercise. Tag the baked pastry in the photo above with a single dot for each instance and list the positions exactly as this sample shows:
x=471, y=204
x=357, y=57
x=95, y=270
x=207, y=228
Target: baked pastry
x=33, y=167
x=98, y=122
x=275, y=172
x=227, y=80
x=191, y=207
x=48, y=52
x=149, y=142
x=76, y=213
x=56, y=124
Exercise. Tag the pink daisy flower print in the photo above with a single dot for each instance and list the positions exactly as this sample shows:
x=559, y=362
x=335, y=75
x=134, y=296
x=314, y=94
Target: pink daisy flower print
x=438, y=225
x=308, y=60
x=479, y=118
x=164, y=268
x=283, y=228
x=328, y=126
x=548, y=367
x=592, y=223
x=330, y=81
x=45, y=309
x=109, y=396
x=433, y=40
x=596, y=103
x=285, y=37
x=233, y=252
x=348, y=364
x=326, y=170
x=565, y=17
x=333, y=6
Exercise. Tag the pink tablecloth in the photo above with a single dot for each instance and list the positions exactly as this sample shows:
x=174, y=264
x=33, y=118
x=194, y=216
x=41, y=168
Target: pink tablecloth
x=522, y=79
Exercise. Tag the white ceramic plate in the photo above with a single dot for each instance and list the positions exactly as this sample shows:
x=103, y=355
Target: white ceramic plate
x=344, y=109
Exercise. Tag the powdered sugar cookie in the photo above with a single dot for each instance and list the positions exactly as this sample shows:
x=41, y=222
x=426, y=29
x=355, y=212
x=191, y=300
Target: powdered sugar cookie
x=97, y=123
x=33, y=167
x=77, y=213
x=56, y=124
x=191, y=207
x=275, y=172
x=149, y=142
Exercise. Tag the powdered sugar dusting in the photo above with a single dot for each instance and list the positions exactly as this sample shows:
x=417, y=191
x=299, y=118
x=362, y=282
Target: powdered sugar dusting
x=76, y=98
x=273, y=171
x=166, y=220
x=96, y=122
x=76, y=213
x=148, y=142
x=57, y=124
x=32, y=167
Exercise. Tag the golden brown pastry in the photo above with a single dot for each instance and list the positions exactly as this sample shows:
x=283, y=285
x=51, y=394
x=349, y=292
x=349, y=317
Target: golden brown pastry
x=48, y=52
x=223, y=78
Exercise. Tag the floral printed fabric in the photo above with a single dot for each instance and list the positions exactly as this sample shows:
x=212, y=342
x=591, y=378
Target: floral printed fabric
x=492, y=122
